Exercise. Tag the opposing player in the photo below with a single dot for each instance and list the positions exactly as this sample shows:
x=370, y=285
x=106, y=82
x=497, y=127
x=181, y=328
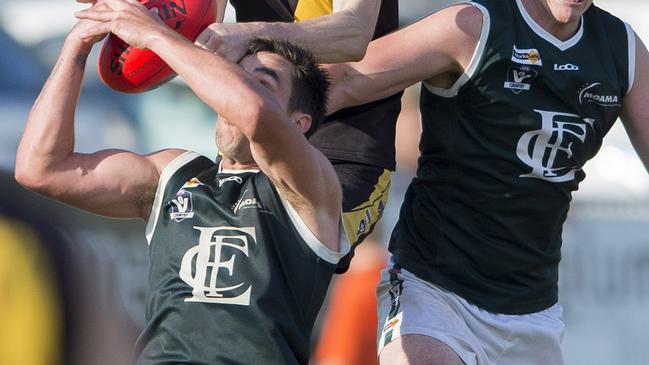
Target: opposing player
x=242, y=249
x=517, y=96
x=358, y=141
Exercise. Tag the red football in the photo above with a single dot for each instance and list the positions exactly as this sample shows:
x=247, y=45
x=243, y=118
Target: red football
x=134, y=70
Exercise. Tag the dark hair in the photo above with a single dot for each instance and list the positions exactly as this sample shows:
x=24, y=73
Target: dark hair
x=310, y=83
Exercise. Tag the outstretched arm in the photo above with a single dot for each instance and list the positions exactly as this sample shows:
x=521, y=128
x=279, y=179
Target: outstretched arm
x=297, y=169
x=635, y=107
x=337, y=37
x=436, y=49
x=112, y=182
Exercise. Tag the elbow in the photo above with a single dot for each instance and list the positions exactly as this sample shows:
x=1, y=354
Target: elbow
x=249, y=117
x=357, y=47
x=31, y=174
x=360, y=35
x=28, y=177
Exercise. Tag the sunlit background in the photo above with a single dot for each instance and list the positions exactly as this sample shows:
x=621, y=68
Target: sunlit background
x=101, y=264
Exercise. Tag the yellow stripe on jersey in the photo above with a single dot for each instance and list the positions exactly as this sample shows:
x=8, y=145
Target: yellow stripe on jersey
x=30, y=314
x=360, y=220
x=307, y=9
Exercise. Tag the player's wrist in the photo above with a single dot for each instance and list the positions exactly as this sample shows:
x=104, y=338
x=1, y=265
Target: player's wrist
x=160, y=37
x=79, y=46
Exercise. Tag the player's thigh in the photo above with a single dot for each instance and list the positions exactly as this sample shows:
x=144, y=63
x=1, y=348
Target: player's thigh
x=418, y=349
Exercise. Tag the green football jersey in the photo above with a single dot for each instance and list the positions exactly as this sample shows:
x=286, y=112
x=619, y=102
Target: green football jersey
x=236, y=276
x=502, y=151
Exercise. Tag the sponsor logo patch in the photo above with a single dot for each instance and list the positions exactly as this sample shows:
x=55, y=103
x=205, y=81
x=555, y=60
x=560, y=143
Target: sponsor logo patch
x=192, y=183
x=593, y=93
x=527, y=56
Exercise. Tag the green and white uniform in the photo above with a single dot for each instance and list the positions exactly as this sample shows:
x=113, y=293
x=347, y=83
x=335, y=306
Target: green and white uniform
x=236, y=276
x=503, y=150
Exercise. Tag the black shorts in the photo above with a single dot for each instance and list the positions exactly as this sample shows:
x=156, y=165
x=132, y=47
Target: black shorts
x=365, y=196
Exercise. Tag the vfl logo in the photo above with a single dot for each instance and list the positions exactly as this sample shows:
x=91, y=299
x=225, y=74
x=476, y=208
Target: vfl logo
x=182, y=206
x=566, y=67
x=202, y=275
x=519, y=78
x=236, y=179
x=527, y=56
x=539, y=149
x=586, y=93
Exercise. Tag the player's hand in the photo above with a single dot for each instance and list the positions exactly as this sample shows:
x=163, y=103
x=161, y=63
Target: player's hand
x=128, y=19
x=228, y=40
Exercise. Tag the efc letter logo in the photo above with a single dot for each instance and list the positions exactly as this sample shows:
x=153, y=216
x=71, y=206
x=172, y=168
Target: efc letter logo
x=549, y=150
x=210, y=267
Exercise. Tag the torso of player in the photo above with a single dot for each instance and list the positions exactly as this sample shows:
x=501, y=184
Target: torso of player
x=231, y=279
x=503, y=150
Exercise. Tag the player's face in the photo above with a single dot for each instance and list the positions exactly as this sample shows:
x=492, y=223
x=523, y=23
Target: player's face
x=274, y=73
x=568, y=11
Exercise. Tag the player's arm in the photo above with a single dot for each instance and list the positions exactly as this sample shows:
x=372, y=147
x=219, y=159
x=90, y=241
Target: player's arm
x=113, y=183
x=635, y=107
x=337, y=37
x=438, y=49
x=299, y=171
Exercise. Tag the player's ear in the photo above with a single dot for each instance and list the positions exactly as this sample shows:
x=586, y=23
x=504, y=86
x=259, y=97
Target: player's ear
x=302, y=121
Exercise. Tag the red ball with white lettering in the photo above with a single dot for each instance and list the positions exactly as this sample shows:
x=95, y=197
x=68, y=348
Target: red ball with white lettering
x=133, y=70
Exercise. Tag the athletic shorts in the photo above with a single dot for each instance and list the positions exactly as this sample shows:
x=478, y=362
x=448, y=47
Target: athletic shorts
x=409, y=305
x=365, y=196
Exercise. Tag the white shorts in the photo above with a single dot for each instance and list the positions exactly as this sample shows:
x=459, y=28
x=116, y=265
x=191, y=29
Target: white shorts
x=409, y=305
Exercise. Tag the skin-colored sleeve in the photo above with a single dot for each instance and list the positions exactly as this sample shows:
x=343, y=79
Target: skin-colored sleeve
x=114, y=183
x=337, y=37
x=635, y=107
x=403, y=58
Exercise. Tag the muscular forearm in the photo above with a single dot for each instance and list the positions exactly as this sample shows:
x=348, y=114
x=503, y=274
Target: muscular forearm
x=338, y=37
x=221, y=84
x=49, y=133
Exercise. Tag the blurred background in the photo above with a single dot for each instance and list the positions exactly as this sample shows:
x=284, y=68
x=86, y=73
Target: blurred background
x=73, y=284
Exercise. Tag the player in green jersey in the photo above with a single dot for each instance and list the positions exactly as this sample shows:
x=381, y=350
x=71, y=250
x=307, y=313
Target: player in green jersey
x=358, y=141
x=517, y=95
x=242, y=250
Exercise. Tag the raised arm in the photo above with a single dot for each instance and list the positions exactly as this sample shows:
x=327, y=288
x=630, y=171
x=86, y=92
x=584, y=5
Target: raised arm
x=240, y=98
x=635, y=107
x=112, y=182
x=337, y=37
x=436, y=49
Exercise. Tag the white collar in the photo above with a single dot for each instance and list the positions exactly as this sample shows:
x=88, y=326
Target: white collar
x=562, y=45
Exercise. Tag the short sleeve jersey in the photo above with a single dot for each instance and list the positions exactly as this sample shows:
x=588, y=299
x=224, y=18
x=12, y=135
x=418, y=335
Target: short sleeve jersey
x=503, y=150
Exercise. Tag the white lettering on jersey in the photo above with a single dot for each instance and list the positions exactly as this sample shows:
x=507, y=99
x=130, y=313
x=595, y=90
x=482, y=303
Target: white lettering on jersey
x=566, y=67
x=588, y=94
x=196, y=262
x=539, y=148
x=236, y=179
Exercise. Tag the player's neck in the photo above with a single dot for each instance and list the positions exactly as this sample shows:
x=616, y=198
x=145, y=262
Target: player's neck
x=540, y=12
x=228, y=163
